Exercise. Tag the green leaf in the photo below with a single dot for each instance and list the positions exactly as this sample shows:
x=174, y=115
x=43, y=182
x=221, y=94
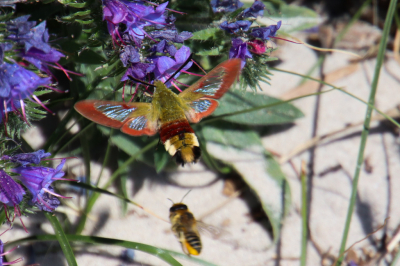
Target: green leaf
x=62, y=239
x=205, y=34
x=72, y=3
x=123, y=179
x=77, y=14
x=275, y=171
x=161, y=158
x=229, y=134
x=128, y=144
x=213, y=51
x=235, y=101
x=89, y=57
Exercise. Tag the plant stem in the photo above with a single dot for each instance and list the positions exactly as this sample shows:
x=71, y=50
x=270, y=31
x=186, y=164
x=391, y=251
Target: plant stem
x=364, y=134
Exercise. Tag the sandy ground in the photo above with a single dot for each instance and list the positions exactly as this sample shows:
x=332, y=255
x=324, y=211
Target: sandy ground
x=244, y=241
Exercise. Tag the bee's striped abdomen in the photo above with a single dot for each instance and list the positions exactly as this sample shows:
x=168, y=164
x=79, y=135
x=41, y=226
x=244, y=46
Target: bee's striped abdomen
x=193, y=240
x=180, y=141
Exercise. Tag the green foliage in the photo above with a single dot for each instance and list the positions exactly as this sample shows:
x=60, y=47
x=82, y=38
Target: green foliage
x=206, y=34
x=251, y=109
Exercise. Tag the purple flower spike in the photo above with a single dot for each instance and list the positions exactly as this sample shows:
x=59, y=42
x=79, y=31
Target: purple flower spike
x=37, y=180
x=166, y=66
x=11, y=193
x=16, y=84
x=265, y=33
x=225, y=5
x=27, y=158
x=239, y=50
x=234, y=27
x=256, y=10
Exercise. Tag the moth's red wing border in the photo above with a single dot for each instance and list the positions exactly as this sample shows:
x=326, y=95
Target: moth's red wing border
x=87, y=109
x=149, y=129
x=216, y=83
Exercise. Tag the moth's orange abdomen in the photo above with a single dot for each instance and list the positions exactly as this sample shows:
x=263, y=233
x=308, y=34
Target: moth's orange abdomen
x=180, y=141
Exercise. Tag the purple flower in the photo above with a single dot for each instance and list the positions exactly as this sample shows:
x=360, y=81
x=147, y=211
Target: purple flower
x=256, y=10
x=27, y=158
x=225, y=5
x=37, y=179
x=234, y=27
x=265, y=33
x=129, y=55
x=171, y=35
x=166, y=66
x=3, y=48
x=138, y=71
x=37, y=37
x=11, y=193
x=239, y=50
x=37, y=57
x=16, y=84
x=20, y=25
x=164, y=48
x=134, y=15
x=145, y=17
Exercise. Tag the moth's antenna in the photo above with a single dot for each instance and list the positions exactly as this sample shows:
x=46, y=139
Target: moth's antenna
x=141, y=81
x=185, y=195
x=180, y=68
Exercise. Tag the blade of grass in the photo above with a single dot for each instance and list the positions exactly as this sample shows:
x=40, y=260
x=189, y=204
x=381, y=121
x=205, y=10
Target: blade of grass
x=92, y=200
x=105, y=161
x=158, y=252
x=86, y=158
x=304, y=221
x=218, y=117
x=62, y=239
x=73, y=139
x=340, y=89
x=356, y=16
x=123, y=198
x=365, y=131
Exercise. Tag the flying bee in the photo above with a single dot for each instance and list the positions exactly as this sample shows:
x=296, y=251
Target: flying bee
x=168, y=113
x=184, y=226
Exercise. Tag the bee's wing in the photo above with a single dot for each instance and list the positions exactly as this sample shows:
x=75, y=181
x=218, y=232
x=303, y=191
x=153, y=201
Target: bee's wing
x=207, y=229
x=132, y=118
x=199, y=97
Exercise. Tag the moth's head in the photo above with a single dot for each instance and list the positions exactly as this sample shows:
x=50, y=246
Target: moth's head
x=187, y=154
x=159, y=84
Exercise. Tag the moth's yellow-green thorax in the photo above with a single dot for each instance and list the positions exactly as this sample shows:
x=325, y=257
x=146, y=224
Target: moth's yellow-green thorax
x=170, y=106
